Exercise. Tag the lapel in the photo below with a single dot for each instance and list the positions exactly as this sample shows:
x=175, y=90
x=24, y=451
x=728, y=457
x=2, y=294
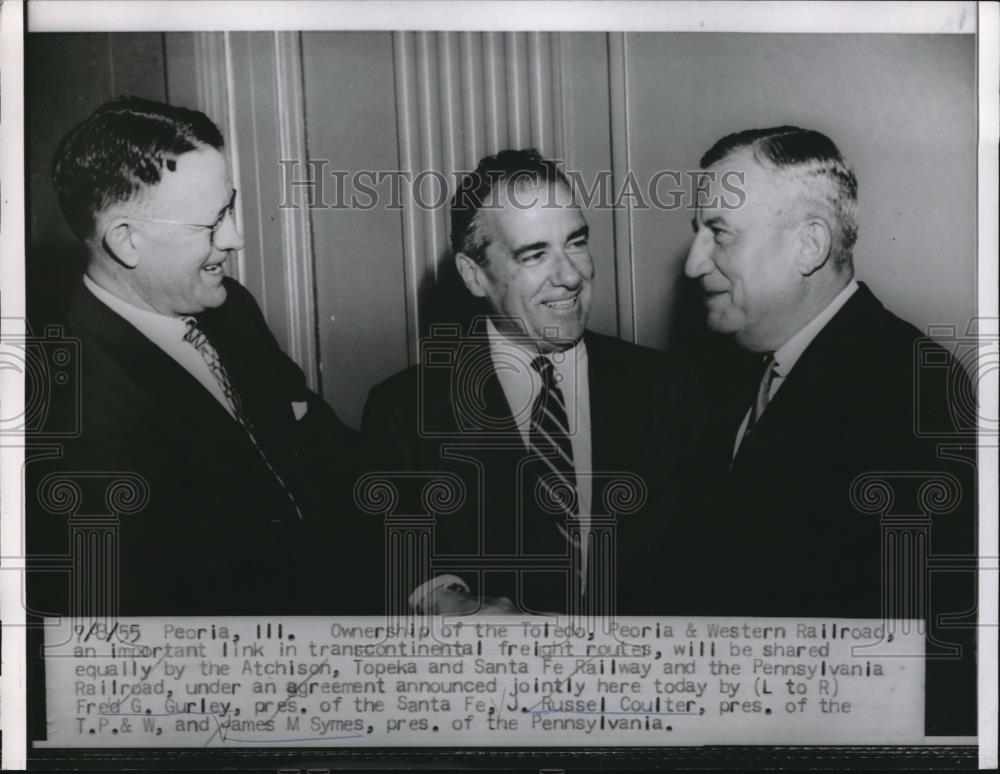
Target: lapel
x=605, y=399
x=474, y=402
x=176, y=395
x=487, y=398
x=821, y=380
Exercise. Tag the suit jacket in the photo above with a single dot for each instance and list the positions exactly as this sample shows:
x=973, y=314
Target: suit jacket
x=786, y=534
x=218, y=533
x=449, y=416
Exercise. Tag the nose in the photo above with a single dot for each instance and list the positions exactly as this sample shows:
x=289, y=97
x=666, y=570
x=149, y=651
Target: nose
x=228, y=235
x=572, y=269
x=698, y=262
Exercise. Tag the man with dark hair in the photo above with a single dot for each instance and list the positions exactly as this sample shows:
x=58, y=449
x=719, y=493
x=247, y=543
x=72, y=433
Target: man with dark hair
x=186, y=395
x=519, y=170
x=828, y=418
x=570, y=449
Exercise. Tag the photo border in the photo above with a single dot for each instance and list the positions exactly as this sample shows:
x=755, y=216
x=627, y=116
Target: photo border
x=852, y=17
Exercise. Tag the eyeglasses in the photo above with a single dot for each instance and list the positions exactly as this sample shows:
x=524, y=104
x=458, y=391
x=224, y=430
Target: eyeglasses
x=228, y=212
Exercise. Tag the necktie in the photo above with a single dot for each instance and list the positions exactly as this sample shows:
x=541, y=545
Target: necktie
x=763, y=394
x=549, y=441
x=196, y=337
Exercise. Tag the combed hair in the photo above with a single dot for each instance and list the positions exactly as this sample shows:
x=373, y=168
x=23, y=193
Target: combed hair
x=815, y=161
x=518, y=168
x=119, y=149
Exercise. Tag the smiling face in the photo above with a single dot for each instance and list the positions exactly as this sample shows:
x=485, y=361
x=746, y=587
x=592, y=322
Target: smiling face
x=746, y=258
x=178, y=268
x=537, y=267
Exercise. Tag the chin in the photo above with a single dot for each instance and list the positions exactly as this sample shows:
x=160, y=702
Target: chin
x=215, y=297
x=724, y=323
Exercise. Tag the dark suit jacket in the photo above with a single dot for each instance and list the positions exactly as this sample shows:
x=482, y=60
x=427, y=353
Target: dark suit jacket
x=646, y=417
x=785, y=536
x=218, y=533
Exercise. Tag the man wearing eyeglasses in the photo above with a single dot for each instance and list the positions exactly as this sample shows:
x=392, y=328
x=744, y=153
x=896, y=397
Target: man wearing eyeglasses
x=248, y=472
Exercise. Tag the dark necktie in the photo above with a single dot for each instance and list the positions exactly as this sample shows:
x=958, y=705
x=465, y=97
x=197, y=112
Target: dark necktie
x=196, y=337
x=549, y=441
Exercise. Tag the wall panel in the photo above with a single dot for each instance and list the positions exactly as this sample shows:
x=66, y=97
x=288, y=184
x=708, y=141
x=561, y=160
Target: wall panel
x=584, y=142
x=360, y=272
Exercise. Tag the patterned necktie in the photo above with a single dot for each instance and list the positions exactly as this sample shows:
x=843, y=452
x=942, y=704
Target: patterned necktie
x=196, y=337
x=549, y=441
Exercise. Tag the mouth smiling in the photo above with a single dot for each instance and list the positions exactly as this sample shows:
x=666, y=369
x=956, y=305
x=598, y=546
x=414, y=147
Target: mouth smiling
x=562, y=304
x=213, y=269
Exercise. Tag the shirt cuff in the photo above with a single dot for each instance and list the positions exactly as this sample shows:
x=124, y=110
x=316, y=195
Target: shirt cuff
x=425, y=591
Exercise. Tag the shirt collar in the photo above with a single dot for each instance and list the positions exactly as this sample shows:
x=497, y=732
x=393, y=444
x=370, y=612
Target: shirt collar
x=566, y=362
x=521, y=383
x=162, y=330
x=788, y=355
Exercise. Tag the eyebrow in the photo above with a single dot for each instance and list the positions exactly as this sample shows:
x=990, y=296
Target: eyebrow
x=713, y=221
x=530, y=248
x=232, y=201
x=584, y=230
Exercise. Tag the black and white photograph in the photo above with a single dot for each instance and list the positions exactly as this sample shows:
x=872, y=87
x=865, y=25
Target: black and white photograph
x=516, y=385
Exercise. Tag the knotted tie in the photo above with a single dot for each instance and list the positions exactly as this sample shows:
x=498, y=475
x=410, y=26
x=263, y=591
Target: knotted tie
x=549, y=441
x=196, y=337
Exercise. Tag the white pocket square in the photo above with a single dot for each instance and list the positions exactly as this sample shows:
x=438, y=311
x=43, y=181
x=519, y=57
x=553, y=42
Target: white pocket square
x=299, y=408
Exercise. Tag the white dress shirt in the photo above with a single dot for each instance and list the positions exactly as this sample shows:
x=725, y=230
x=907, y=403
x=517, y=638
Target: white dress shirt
x=789, y=353
x=165, y=332
x=521, y=385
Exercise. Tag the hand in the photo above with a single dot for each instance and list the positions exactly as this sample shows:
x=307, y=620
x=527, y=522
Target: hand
x=497, y=606
x=449, y=595
x=452, y=601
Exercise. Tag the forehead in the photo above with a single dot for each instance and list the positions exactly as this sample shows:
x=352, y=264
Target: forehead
x=528, y=213
x=199, y=185
x=739, y=187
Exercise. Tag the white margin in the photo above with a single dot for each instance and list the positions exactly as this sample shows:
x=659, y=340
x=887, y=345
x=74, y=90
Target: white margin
x=762, y=16
x=989, y=136
x=13, y=711
x=627, y=15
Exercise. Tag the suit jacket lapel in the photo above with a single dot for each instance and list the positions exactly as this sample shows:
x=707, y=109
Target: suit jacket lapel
x=175, y=391
x=815, y=386
x=605, y=399
x=478, y=405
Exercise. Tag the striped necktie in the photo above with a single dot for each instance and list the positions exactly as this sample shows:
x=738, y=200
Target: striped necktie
x=549, y=441
x=196, y=337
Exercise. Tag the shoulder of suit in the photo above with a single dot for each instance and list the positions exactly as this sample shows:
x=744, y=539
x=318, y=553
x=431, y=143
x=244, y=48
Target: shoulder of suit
x=239, y=312
x=604, y=352
x=401, y=385
x=237, y=296
x=873, y=347
x=870, y=326
x=609, y=345
x=609, y=352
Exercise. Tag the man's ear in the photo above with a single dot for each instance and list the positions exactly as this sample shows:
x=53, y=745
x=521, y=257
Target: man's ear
x=814, y=240
x=472, y=274
x=119, y=242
